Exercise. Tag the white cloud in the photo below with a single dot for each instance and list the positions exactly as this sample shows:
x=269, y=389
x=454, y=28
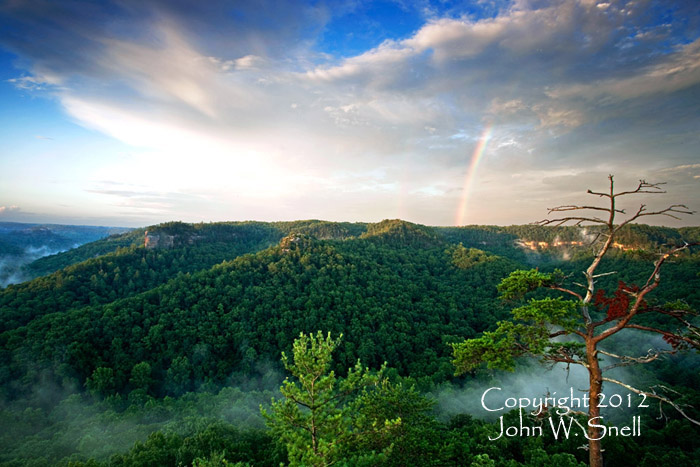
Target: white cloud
x=679, y=71
x=565, y=86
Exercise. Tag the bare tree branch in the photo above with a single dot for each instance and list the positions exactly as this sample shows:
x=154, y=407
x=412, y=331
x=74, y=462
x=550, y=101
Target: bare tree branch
x=564, y=220
x=574, y=207
x=565, y=332
x=567, y=291
x=597, y=194
x=678, y=315
x=654, y=396
x=641, y=212
x=643, y=187
x=604, y=274
x=626, y=360
x=674, y=335
x=654, y=276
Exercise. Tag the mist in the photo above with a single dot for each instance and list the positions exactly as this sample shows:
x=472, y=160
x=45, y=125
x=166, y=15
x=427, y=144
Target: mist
x=21, y=244
x=12, y=269
x=535, y=380
x=53, y=421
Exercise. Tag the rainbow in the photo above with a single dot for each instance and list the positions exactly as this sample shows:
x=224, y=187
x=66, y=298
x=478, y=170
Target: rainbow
x=477, y=155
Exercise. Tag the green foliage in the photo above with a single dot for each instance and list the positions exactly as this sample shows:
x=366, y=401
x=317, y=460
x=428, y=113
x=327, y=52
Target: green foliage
x=496, y=348
x=417, y=440
x=324, y=230
x=111, y=244
x=392, y=302
x=201, y=424
x=217, y=445
x=538, y=457
x=217, y=460
x=520, y=282
x=101, y=382
x=128, y=271
x=482, y=460
x=549, y=312
x=529, y=334
x=465, y=258
x=316, y=419
x=401, y=232
x=178, y=376
x=141, y=376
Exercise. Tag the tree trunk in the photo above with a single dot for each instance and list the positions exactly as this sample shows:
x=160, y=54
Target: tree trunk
x=595, y=376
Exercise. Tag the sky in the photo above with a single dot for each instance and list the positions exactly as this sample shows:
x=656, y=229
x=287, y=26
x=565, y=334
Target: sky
x=131, y=113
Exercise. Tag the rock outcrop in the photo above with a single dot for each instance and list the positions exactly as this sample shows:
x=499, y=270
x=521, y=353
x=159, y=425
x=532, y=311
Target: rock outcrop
x=159, y=240
x=295, y=241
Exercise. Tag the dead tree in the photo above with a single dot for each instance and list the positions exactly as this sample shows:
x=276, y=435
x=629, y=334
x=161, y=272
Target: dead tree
x=595, y=317
x=619, y=316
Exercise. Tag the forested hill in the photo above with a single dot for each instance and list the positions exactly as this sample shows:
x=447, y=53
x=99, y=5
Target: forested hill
x=397, y=291
x=161, y=312
x=21, y=243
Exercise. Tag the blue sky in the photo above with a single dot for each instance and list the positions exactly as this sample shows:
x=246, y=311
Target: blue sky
x=133, y=113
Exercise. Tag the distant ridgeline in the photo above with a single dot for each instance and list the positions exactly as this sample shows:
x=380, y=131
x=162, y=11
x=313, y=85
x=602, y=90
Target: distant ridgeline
x=22, y=243
x=490, y=238
x=177, y=234
x=125, y=264
x=18, y=238
x=538, y=243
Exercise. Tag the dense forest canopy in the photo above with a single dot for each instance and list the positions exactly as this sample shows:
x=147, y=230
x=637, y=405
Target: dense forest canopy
x=122, y=332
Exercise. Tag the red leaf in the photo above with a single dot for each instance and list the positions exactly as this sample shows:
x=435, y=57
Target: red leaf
x=618, y=305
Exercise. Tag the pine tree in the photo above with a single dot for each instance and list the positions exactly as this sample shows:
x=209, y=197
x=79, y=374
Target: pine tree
x=316, y=419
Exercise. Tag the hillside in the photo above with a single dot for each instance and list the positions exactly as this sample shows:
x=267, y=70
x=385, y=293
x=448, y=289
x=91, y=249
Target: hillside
x=21, y=244
x=405, y=297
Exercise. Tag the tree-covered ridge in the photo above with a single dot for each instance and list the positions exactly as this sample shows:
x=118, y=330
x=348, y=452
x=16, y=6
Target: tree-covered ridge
x=8, y=248
x=51, y=236
x=537, y=245
x=323, y=230
x=504, y=241
x=222, y=231
x=393, y=303
x=21, y=244
x=190, y=234
x=112, y=243
x=125, y=271
x=633, y=235
x=402, y=232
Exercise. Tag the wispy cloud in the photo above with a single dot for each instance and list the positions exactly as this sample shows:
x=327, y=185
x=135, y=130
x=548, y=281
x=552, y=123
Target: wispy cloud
x=239, y=104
